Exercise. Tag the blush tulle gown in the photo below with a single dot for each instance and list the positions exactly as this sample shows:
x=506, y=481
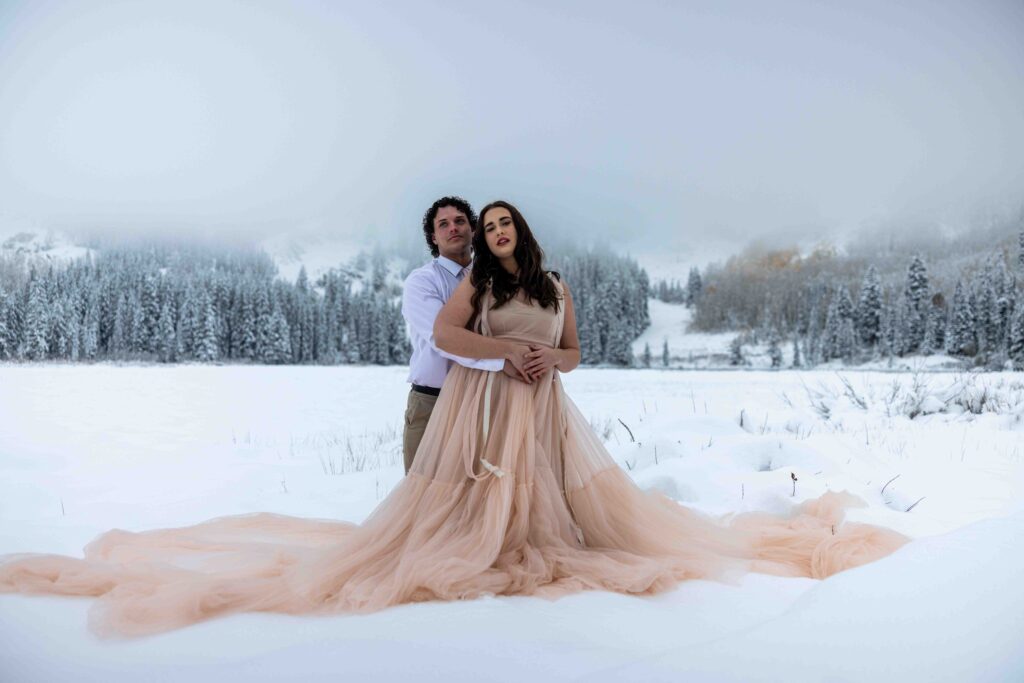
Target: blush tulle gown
x=510, y=493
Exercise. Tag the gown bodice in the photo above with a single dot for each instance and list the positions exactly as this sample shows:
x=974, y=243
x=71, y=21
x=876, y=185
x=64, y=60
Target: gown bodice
x=523, y=319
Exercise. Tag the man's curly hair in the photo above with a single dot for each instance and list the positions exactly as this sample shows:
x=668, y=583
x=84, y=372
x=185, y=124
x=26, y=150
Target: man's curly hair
x=459, y=204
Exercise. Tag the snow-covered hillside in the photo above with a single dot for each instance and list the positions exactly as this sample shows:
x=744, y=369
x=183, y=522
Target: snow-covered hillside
x=37, y=246
x=87, y=448
x=669, y=322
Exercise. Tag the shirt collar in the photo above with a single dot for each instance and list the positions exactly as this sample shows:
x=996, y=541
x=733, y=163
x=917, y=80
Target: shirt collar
x=449, y=265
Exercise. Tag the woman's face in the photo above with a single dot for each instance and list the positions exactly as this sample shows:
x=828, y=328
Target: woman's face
x=499, y=232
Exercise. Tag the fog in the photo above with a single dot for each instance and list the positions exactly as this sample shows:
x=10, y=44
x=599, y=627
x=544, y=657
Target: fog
x=646, y=123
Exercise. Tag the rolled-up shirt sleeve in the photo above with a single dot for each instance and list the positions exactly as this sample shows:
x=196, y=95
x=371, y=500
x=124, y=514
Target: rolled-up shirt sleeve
x=421, y=302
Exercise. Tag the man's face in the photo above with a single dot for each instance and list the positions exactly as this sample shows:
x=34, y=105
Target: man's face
x=452, y=232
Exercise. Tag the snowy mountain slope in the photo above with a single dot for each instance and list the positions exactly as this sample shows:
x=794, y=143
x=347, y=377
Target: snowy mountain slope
x=691, y=349
x=47, y=247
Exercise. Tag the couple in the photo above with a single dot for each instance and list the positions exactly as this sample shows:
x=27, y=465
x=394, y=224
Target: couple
x=510, y=491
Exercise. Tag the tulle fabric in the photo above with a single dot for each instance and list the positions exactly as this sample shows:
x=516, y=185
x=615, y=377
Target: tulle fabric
x=510, y=493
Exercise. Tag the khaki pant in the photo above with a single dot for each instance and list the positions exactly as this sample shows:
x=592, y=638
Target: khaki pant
x=417, y=414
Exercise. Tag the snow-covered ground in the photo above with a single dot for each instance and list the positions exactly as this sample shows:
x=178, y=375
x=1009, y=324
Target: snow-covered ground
x=669, y=322
x=86, y=448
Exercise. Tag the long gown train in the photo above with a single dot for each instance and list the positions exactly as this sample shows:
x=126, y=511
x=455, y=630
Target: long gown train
x=510, y=493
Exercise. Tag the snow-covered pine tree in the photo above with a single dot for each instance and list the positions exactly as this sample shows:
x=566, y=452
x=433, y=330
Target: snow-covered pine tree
x=91, y=330
x=399, y=340
x=150, y=332
x=916, y=293
x=136, y=325
x=830, y=337
x=74, y=336
x=869, y=309
x=379, y=272
x=119, y=335
x=960, y=341
x=736, y=356
x=168, y=346
x=59, y=330
x=646, y=357
x=349, y=342
x=774, y=352
x=206, y=340
x=813, y=340
x=932, y=341
x=694, y=286
x=36, y=320
x=664, y=353
x=278, y=348
x=6, y=338
x=263, y=328
x=986, y=321
x=1016, y=345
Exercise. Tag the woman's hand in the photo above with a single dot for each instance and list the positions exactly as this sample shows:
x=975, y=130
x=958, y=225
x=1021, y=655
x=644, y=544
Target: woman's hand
x=517, y=356
x=540, y=359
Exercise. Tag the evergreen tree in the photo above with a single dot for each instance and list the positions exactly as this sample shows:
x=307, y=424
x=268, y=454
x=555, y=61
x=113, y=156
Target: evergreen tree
x=646, y=358
x=264, y=326
x=118, y=337
x=36, y=322
x=694, y=285
x=986, y=320
x=6, y=338
x=736, y=356
x=935, y=325
x=150, y=332
x=168, y=342
x=58, y=335
x=813, y=341
x=915, y=295
x=797, y=363
x=960, y=339
x=206, y=340
x=830, y=343
x=774, y=352
x=1016, y=347
x=278, y=349
x=136, y=325
x=188, y=328
x=91, y=331
x=869, y=309
x=664, y=353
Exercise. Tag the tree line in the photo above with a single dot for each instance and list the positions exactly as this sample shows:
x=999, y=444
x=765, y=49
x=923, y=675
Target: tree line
x=180, y=303
x=973, y=311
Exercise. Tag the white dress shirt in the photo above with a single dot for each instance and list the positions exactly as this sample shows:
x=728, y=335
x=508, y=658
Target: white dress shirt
x=425, y=292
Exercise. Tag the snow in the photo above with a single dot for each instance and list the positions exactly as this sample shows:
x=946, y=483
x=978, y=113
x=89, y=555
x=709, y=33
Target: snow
x=87, y=448
x=33, y=244
x=690, y=349
x=317, y=254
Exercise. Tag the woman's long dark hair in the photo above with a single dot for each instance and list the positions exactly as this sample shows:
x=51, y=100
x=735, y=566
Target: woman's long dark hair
x=488, y=271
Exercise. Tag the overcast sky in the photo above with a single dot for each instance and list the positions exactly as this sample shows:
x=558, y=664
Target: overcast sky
x=654, y=122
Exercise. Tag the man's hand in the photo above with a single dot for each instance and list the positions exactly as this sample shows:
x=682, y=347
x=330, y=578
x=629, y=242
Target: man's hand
x=511, y=371
x=517, y=359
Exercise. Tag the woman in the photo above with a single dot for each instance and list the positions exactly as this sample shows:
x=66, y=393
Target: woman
x=510, y=492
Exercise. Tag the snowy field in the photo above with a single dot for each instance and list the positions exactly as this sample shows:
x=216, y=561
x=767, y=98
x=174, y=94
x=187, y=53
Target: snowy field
x=940, y=457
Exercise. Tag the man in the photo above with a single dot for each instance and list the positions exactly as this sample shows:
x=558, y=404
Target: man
x=448, y=229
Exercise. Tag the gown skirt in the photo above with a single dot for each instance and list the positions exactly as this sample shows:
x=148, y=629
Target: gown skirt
x=511, y=492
